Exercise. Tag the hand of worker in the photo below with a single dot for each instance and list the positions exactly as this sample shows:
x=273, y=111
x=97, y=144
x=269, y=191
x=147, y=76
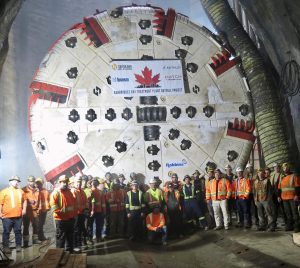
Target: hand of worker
x=142, y=215
x=23, y=212
x=92, y=214
x=1, y=215
x=296, y=198
x=279, y=199
x=128, y=215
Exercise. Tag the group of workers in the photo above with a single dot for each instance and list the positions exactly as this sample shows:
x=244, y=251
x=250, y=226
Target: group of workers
x=88, y=209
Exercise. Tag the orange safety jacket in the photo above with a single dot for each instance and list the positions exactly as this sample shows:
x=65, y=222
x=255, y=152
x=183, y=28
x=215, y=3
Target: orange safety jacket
x=262, y=190
x=241, y=190
x=178, y=186
x=98, y=201
x=12, y=200
x=155, y=220
x=45, y=200
x=81, y=200
x=33, y=200
x=224, y=189
x=116, y=200
x=63, y=204
x=287, y=186
x=153, y=197
x=177, y=196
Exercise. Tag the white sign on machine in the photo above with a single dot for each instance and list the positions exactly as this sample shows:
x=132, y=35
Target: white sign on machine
x=147, y=77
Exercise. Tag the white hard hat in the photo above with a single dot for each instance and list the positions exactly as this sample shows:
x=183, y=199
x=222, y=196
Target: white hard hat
x=228, y=167
x=248, y=165
x=238, y=169
x=153, y=181
x=276, y=165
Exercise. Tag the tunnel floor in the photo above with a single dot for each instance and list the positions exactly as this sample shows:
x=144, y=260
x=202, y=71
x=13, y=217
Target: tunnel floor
x=233, y=248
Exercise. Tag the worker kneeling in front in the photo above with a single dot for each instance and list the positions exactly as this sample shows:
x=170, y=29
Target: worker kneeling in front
x=156, y=225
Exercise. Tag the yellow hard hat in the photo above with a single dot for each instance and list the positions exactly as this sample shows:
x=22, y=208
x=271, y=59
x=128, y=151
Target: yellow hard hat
x=286, y=165
x=31, y=179
x=63, y=178
x=260, y=170
x=101, y=181
x=39, y=179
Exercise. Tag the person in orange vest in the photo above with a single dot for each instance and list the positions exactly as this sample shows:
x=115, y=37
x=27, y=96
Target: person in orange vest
x=63, y=206
x=32, y=194
x=176, y=183
x=135, y=208
x=44, y=208
x=116, y=200
x=219, y=191
x=289, y=192
x=12, y=207
x=156, y=225
x=82, y=210
x=153, y=196
x=241, y=189
x=263, y=201
x=211, y=219
x=276, y=177
x=173, y=202
x=98, y=211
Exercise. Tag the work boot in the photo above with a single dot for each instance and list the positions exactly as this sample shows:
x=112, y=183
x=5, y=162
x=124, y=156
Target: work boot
x=35, y=240
x=7, y=250
x=25, y=244
x=18, y=248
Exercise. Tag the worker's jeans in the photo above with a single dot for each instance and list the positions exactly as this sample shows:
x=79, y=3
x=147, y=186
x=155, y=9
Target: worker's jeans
x=211, y=214
x=175, y=222
x=264, y=208
x=161, y=233
x=116, y=223
x=79, y=230
x=292, y=214
x=34, y=220
x=8, y=225
x=42, y=220
x=221, y=212
x=64, y=234
x=276, y=207
x=243, y=208
x=193, y=211
x=135, y=225
x=98, y=217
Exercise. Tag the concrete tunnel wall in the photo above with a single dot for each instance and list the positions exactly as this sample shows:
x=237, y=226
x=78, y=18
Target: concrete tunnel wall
x=35, y=28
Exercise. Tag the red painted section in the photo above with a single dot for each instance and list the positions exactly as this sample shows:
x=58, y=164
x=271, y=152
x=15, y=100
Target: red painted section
x=35, y=85
x=31, y=102
x=240, y=134
x=69, y=166
x=98, y=30
x=226, y=66
x=241, y=129
x=170, y=22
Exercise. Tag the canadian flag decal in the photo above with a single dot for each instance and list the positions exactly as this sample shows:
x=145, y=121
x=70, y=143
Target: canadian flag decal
x=146, y=80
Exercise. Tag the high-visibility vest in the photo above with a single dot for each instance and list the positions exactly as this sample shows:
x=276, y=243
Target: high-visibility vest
x=33, y=199
x=262, y=190
x=81, y=200
x=12, y=200
x=287, y=186
x=116, y=200
x=130, y=206
x=153, y=197
x=155, y=220
x=185, y=197
x=63, y=204
x=98, y=200
x=224, y=189
x=44, y=200
x=177, y=196
x=242, y=190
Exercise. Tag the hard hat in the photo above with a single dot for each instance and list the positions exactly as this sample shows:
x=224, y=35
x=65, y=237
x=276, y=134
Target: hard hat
x=31, y=179
x=85, y=177
x=210, y=169
x=175, y=175
x=267, y=168
x=228, y=167
x=15, y=178
x=96, y=179
x=276, y=165
x=260, y=170
x=39, y=179
x=134, y=182
x=101, y=181
x=116, y=181
x=132, y=175
x=107, y=173
x=71, y=180
x=286, y=165
x=186, y=177
x=121, y=176
x=63, y=178
x=153, y=181
x=238, y=169
x=248, y=165
x=217, y=170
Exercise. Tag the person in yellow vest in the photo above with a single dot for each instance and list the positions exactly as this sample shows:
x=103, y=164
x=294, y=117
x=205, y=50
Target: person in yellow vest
x=63, y=206
x=154, y=196
x=275, y=179
x=156, y=225
x=82, y=210
x=12, y=207
x=32, y=194
x=289, y=192
x=135, y=207
x=44, y=208
x=219, y=191
x=263, y=201
x=86, y=186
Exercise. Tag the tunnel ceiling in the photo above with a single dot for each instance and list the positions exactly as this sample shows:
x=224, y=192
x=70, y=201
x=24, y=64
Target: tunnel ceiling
x=78, y=125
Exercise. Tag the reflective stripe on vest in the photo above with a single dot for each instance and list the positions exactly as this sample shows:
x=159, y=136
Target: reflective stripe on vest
x=222, y=192
x=184, y=193
x=291, y=185
x=12, y=197
x=150, y=217
x=243, y=187
x=131, y=207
